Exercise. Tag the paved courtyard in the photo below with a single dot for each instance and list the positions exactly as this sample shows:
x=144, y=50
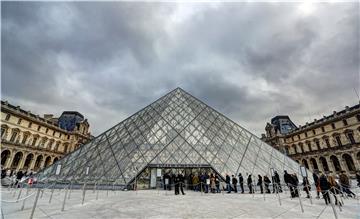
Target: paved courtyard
x=161, y=204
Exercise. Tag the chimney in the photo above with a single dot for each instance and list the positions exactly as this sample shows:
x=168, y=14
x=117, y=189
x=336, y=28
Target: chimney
x=48, y=116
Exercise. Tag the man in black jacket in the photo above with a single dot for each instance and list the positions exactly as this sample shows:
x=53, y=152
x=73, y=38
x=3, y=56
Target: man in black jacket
x=241, y=182
x=181, y=183
x=234, y=182
x=227, y=181
x=249, y=182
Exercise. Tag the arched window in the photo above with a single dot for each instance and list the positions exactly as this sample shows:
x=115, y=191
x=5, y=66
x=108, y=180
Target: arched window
x=295, y=149
x=28, y=160
x=324, y=163
x=56, y=159
x=47, y=161
x=5, y=155
x=17, y=159
x=14, y=135
x=4, y=129
x=335, y=162
x=317, y=143
x=305, y=163
x=349, y=162
x=350, y=136
x=38, y=162
x=314, y=164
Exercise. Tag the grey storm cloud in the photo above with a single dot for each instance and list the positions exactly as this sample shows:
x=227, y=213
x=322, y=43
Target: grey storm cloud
x=250, y=61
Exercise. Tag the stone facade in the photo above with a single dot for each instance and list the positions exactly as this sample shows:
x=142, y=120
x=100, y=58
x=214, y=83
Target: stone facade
x=330, y=144
x=30, y=142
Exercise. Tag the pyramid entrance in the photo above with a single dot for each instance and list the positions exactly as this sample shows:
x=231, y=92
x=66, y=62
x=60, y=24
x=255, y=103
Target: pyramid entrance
x=177, y=131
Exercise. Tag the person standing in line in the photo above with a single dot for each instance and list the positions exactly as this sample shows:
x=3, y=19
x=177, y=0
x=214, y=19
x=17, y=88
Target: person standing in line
x=333, y=188
x=267, y=183
x=176, y=182
x=212, y=183
x=234, y=182
x=306, y=186
x=317, y=185
x=288, y=181
x=227, y=181
x=358, y=177
x=195, y=182
x=217, y=184
x=241, y=182
x=277, y=181
x=324, y=185
x=295, y=183
x=345, y=184
x=260, y=183
x=181, y=183
x=249, y=182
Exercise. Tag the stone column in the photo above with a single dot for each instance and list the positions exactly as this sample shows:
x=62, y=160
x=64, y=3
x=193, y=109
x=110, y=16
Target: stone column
x=22, y=161
x=43, y=162
x=12, y=156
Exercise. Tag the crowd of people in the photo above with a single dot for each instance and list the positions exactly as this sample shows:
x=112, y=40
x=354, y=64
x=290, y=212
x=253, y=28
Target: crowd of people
x=214, y=183
x=14, y=178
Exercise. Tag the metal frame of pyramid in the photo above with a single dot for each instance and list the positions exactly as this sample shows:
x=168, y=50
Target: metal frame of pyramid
x=176, y=129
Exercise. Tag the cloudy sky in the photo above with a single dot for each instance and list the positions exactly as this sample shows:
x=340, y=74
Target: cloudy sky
x=250, y=61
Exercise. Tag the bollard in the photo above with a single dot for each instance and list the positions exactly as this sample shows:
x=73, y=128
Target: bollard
x=301, y=205
x=22, y=185
x=332, y=205
x=63, y=205
x=70, y=190
x=27, y=193
x=83, y=196
x=94, y=187
x=52, y=192
x=35, y=203
x=42, y=192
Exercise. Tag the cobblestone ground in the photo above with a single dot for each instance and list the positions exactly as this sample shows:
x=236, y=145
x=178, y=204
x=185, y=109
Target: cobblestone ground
x=161, y=204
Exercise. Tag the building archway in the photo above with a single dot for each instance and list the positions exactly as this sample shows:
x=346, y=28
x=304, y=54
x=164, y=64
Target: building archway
x=5, y=155
x=47, y=161
x=314, y=164
x=349, y=162
x=324, y=163
x=305, y=163
x=55, y=159
x=38, y=162
x=28, y=160
x=335, y=162
x=17, y=158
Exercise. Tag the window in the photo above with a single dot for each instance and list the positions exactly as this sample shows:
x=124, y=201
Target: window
x=68, y=137
x=3, y=131
x=314, y=132
x=50, y=144
x=39, y=127
x=7, y=117
x=30, y=124
x=338, y=140
x=358, y=117
x=60, y=135
x=323, y=129
x=309, y=145
x=317, y=144
x=345, y=122
x=24, y=139
x=333, y=125
x=299, y=137
x=19, y=121
x=47, y=130
x=13, y=136
x=351, y=138
x=57, y=146
x=53, y=133
x=306, y=135
x=34, y=141
x=327, y=142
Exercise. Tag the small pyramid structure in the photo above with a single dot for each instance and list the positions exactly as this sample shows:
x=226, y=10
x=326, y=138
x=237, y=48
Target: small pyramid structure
x=175, y=130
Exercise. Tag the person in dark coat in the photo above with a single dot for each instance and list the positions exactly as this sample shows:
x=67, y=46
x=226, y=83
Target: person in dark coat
x=227, y=181
x=181, y=183
x=260, y=183
x=176, y=184
x=306, y=186
x=317, y=186
x=295, y=184
x=19, y=175
x=267, y=183
x=325, y=186
x=358, y=178
x=249, y=182
x=241, y=182
x=276, y=182
x=234, y=182
x=289, y=182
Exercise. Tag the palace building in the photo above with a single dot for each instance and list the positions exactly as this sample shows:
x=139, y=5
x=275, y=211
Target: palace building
x=30, y=142
x=330, y=144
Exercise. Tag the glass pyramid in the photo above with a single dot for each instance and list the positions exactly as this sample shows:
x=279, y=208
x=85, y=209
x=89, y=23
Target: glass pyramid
x=177, y=130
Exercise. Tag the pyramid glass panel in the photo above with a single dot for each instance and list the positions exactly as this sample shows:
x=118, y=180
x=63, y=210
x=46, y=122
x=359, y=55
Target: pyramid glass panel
x=177, y=130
